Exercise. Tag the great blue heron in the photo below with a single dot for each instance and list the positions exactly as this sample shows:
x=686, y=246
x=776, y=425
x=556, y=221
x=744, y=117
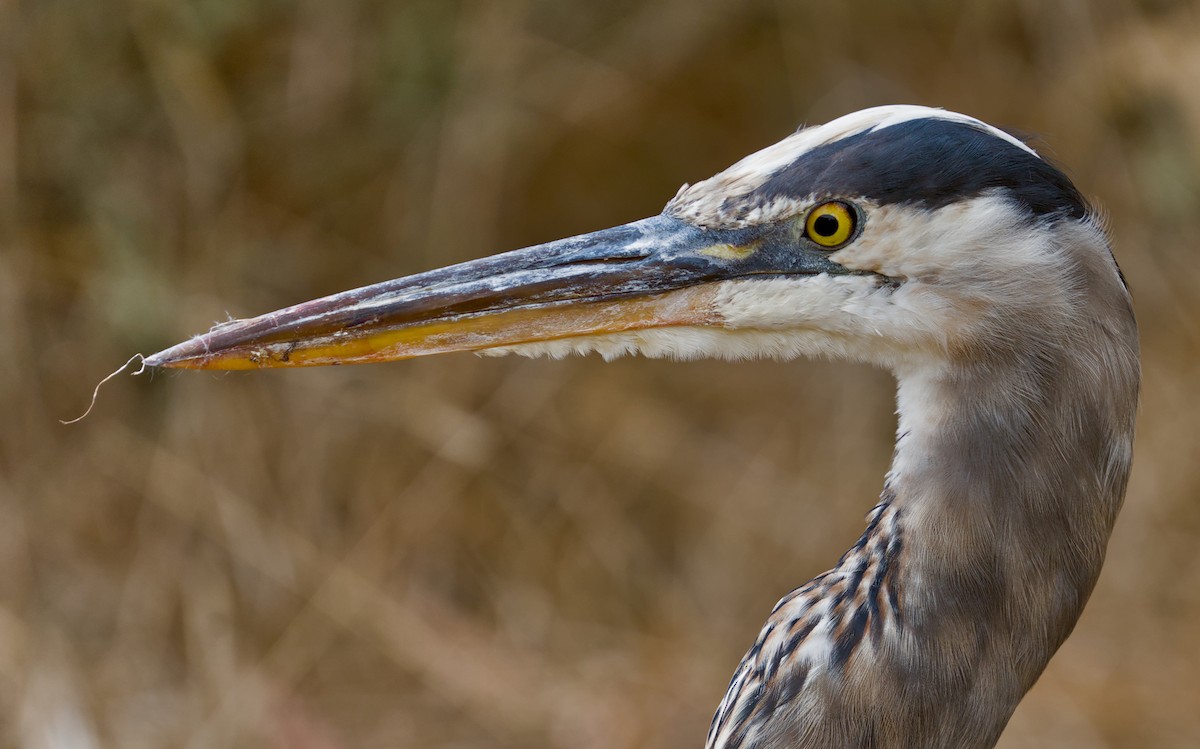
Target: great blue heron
x=920, y=240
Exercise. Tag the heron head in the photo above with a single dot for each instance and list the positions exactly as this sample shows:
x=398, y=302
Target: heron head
x=891, y=233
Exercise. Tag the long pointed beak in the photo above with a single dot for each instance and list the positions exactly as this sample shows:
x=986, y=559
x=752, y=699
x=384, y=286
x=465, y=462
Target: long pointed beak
x=657, y=272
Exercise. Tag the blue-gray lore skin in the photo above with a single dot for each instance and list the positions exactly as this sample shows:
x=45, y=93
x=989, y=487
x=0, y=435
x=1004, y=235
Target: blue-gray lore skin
x=911, y=238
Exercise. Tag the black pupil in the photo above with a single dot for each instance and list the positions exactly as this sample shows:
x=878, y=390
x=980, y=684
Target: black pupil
x=825, y=225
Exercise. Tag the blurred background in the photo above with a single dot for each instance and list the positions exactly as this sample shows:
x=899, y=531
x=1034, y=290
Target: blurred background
x=466, y=552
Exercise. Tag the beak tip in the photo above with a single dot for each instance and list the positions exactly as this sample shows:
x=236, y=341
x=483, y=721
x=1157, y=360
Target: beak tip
x=207, y=352
x=180, y=356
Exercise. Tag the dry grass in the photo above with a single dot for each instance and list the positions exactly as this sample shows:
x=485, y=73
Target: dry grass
x=465, y=552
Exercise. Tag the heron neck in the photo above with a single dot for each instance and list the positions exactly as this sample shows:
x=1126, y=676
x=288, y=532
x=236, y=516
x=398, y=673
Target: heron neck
x=1007, y=480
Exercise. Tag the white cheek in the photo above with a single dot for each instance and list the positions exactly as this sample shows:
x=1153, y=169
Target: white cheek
x=857, y=314
x=975, y=242
x=821, y=301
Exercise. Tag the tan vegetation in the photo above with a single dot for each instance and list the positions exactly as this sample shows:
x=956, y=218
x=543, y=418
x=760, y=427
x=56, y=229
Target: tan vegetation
x=467, y=552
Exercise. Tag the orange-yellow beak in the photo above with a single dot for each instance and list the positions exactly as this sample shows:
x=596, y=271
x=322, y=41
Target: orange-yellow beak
x=658, y=272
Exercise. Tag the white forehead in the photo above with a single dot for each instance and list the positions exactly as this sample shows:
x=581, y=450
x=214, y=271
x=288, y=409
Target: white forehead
x=702, y=200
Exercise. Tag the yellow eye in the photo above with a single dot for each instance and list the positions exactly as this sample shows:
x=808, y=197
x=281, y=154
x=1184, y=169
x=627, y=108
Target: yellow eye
x=830, y=224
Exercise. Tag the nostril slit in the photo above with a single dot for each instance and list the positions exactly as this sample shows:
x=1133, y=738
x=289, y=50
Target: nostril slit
x=609, y=260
